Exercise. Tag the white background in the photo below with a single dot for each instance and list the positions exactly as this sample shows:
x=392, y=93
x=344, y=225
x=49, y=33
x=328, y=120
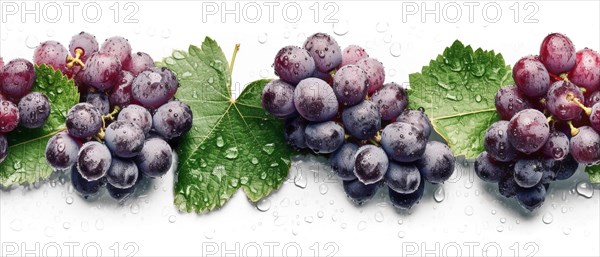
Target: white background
x=472, y=219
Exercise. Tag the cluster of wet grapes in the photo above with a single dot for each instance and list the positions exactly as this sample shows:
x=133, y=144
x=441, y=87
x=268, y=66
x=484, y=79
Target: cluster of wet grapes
x=335, y=102
x=18, y=104
x=119, y=132
x=550, y=122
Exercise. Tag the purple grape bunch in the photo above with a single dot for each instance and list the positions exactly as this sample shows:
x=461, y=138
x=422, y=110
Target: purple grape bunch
x=336, y=103
x=550, y=122
x=121, y=130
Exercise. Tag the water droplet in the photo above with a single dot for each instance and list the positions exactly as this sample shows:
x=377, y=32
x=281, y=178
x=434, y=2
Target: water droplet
x=269, y=148
x=285, y=202
x=382, y=26
x=263, y=175
x=400, y=222
x=17, y=165
x=264, y=73
x=211, y=80
x=309, y=219
x=165, y=33
x=66, y=225
x=134, y=208
x=172, y=219
x=219, y=171
x=478, y=98
x=50, y=33
x=396, y=49
x=379, y=216
x=231, y=153
x=469, y=210
x=362, y=225
x=341, y=28
x=323, y=189
x=31, y=41
x=500, y=228
x=300, y=180
x=502, y=220
x=254, y=160
x=585, y=189
x=178, y=55
x=264, y=205
x=547, y=218
x=344, y=225
x=401, y=234
x=439, y=195
x=69, y=200
x=320, y=214
x=387, y=38
x=49, y=232
x=493, y=212
x=209, y=234
x=262, y=38
x=220, y=141
x=16, y=225
x=567, y=231
x=170, y=61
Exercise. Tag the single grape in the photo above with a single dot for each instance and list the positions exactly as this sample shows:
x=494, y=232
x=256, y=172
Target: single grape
x=138, y=62
x=531, y=77
x=557, y=52
x=592, y=99
x=362, y=121
x=137, y=115
x=119, y=194
x=595, y=117
x=315, y=100
x=324, y=137
x=375, y=73
x=342, y=161
x=34, y=109
x=325, y=51
x=490, y=170
x=87, y=44
x=370, y=164
x=102, y=71
x=528, y=131
x=403, y=142
x=100, y=101
x=83, y=186
x=293, y=64
x=496, y=142
x=294, y=132
x=155, y=159
x=83, y=120
x=61, y=151
x=561, y=98
x=585, y=146
x=586, y=72
x=407, y=201
x=94, y=160
x=16, y=79
x=9, y=116
x=118, y=47
x=403, y=178
x=51, y=53
x=122, y=174
x=533, y=197
x=124, y=139
x=3, y=147
x=507, y=186
x=528, y=172
x=417, y=118
x=278, y=99
x=509, y=101
x=565, y=168
x=437, y=163
x=121, y=92
x=351, y=54
x=172, y=120
x=154, y=87
x=350, y=85
x=391, y=100
x=557, y=146
x=358, y=192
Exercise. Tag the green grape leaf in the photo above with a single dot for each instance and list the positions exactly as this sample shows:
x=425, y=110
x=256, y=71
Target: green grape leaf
x=26, y=162
x=457, y=90
x=594, y=173
x=233, y=143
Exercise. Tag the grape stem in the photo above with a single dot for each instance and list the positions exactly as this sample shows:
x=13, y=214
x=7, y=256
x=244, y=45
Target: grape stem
x=110, y=116
x=586, y=109
x=376, y=140
x=574, y=130
x=236, y=49
x=71, y=61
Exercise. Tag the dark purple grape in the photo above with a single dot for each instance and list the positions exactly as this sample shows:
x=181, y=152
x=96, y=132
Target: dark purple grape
x=507, y=186
x=496, y=142
x=509, y=101
x=83, y=186
x=533, y=197
x=94, y=160
x=528, y=131
x=51, y=53
x=34, y=109
x=370, y=164
x=592, y=99
x=557, y=52
x=416, y=118
x=362, y=121
x=351, y=54
x=549, y=169
x=595, y=117
x=121, y=92
x=278, y=99
x=3, y=147
x=528, y=172
x=123, y=173
x=403, y=142
x=531, y=77
x=138, y=62
x=566, y=168
x=437, y=163
x=490, y=170
x=118, y=47
x=9, y=116
x=137, y=115
x=324, y=137
x=294, y=132
x=61, y=151
x=83, y=120
x=102, y=71
x=315, y=100
x=86, y=43
x=557, y=146
x=172, y=120
x=350, y=85
x=358, y=192
x=293, y=64
x=100, y=101
x=154, y=87
x=124, y=139
x=342, y=161
x=375, y=73
x=325, y=51
x=16, y=79
x=586, y=72
x=391, y=100
x=407, y=201
x=155, y=159
x=585, y=146
x=403, y=178
x=561, y=98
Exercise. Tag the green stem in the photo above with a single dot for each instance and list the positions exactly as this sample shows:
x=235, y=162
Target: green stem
x=235, y=51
